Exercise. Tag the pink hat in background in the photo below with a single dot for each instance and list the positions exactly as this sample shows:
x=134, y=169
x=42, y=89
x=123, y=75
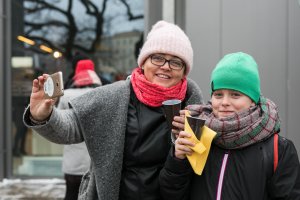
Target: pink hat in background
x=85, y=74
x=167, y=38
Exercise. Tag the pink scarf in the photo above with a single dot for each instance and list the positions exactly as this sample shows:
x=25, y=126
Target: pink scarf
x=152, y=94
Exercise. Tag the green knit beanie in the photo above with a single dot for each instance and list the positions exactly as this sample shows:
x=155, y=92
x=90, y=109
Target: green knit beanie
x=237, y=71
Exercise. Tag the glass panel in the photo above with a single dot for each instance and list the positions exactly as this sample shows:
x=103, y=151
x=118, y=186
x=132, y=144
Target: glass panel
x=45, y=37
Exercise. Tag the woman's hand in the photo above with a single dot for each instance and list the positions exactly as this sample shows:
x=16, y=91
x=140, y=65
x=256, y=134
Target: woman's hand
x=183, y=145
x=178, y=123
x=40, y=107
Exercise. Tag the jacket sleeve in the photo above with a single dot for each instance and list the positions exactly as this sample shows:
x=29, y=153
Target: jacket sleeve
x=175, y=178
x=61, y=128
x=194, y=93
x=285, y=182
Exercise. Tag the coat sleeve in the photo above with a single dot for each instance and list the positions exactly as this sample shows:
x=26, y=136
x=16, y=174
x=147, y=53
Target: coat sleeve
x=61, y=128
x=175, y=178
x=285, y=182
x=194, y=93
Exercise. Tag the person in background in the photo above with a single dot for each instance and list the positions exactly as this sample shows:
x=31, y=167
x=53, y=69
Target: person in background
x=123, y=123
x=19, y=145
x=76, y=160
x=76, y=58
x=241, y=161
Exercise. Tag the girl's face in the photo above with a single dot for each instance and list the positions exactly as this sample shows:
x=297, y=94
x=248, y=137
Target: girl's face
x=227, y=102
x=164, y=69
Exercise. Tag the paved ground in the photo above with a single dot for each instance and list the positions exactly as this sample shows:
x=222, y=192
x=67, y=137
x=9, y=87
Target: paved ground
x=33, y=189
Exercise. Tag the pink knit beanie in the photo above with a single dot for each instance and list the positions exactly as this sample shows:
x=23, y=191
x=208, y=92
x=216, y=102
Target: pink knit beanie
x=170, y=39
x=85, y=74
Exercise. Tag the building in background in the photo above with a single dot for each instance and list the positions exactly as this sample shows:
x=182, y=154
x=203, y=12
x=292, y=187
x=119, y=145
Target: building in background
x=117, y=56
x=38, y=39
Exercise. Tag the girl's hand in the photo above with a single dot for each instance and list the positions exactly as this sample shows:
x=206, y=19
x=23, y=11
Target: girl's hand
x=178, y=123
x=183, y=145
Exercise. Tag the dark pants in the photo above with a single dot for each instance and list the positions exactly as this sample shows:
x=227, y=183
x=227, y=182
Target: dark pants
x=72, y=186
x=21, y=131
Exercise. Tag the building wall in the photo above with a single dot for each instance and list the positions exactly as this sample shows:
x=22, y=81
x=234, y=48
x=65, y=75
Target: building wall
x=1, y=92
x=269, y=30
x=293, y=72
x=5, y=100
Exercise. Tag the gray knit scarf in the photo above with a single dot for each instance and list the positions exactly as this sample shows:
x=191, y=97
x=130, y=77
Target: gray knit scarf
x=243, y=128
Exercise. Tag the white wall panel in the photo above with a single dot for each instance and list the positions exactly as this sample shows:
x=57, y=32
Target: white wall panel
x=293, y=75
x=203, y=26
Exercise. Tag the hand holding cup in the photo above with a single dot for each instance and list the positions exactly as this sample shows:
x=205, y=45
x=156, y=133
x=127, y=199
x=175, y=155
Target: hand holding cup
x=171, y=109
x=178, y=123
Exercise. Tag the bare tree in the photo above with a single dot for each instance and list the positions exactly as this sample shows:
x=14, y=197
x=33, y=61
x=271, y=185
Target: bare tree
x=49, y=24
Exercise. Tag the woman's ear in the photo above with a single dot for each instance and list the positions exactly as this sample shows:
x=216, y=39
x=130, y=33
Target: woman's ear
x=142, y=68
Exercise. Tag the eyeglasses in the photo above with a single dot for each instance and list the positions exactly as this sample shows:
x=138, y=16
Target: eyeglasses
x=159, y=60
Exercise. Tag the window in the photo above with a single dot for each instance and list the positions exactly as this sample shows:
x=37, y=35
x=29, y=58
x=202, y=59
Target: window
x=40, y=46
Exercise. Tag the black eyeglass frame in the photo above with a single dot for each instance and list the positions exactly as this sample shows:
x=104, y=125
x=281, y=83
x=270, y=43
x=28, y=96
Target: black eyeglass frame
x=168, y=61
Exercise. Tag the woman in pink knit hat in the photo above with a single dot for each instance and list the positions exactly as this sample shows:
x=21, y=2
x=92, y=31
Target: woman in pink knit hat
x=123, y=124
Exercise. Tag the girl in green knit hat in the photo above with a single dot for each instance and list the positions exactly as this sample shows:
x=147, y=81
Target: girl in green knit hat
x=247, y=159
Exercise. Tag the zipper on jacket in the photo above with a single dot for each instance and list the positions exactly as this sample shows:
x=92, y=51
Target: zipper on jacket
x=221, y=175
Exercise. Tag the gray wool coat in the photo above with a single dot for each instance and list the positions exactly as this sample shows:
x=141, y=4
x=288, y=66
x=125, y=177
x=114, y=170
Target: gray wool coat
x=99, y=118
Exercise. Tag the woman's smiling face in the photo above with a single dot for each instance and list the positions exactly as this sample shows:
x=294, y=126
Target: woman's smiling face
x=163, y=75
x=227, y=102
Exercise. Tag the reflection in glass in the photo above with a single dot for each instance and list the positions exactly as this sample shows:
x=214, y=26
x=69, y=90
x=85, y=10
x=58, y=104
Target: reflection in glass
x=111, y=37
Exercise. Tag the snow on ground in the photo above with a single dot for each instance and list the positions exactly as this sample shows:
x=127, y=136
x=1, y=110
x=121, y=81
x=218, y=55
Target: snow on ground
x=32, y=189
